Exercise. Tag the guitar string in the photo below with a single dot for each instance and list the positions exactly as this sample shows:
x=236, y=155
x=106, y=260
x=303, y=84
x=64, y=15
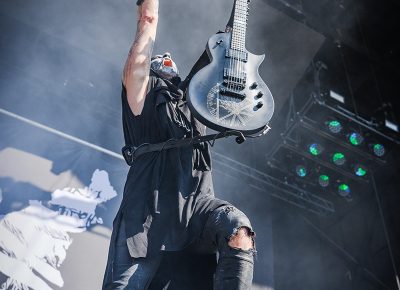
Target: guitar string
x=238, y=48
x=237, y=51
x=235, y=54
x=240, y=44
x=236, y=64
x=244, y=15
x=241, y=53
x=232, y=53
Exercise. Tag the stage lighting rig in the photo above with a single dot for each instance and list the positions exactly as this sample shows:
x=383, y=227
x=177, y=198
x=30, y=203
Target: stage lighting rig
x=326, y=148
x=298, y=167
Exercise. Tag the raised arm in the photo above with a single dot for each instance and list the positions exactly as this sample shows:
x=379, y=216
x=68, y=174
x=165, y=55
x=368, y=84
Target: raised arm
x=137, y=67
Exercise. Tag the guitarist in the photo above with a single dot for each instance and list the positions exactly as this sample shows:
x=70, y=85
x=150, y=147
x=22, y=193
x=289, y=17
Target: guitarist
x=168, y=203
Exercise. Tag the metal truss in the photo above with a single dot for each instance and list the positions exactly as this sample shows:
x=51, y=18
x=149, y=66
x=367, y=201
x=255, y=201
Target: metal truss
x=273, y=186
x=297, y=121
x=298, y=118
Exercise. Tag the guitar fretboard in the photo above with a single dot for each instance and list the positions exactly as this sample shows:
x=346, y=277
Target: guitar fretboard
x=240, y=25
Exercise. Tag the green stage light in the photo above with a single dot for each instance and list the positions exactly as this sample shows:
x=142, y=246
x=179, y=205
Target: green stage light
x=339, y=159
x=356, y=138
x=360, y=170
x=379, y=150
x=335, y=126
x=344, y=190
x=323, y=180
x=301, y=171
x=315, y=149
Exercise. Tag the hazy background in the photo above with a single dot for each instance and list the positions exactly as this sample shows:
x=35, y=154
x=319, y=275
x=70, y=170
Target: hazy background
x=61, y=64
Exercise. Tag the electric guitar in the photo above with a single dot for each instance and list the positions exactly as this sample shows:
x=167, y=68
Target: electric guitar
x=228, y=93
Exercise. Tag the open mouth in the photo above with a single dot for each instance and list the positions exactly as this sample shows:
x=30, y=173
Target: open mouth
x=167, y=62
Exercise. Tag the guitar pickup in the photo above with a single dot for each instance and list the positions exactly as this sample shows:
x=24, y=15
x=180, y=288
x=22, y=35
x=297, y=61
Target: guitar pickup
x=233, y=76
x=235, y=85
x=232, y=93
x=237, y=54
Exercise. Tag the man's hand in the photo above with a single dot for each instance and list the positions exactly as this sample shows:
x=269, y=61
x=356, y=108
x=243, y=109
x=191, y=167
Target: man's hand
x=137, y=67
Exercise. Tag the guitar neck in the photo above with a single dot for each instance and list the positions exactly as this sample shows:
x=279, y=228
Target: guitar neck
x=240, y=25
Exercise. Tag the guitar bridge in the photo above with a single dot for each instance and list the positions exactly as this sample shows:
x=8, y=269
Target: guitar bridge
x=237, y=86
x=232, y=93
x=234, y=80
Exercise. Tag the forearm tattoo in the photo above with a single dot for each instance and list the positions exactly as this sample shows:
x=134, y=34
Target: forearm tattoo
x=140, y=46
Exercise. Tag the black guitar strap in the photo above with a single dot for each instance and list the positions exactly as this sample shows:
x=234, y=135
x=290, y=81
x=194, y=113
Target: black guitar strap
x=131, y=153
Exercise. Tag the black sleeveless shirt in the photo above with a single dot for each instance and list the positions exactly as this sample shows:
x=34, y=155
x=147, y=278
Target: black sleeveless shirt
x=167, y=194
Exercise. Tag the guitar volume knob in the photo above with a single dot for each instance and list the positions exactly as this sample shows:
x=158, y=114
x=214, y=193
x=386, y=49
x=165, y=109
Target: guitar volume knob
x=259, y=105
x=259, y=95
x=254, y=86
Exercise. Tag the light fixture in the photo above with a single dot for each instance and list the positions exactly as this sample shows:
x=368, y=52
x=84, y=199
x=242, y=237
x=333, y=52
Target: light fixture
x=344, y=190
x=335, y=126
x=323, y=180
x=315, y=149
x=356, y=138
x=360, y=170
x=391, y=125
x=336, y=96
x=379, y=149
x=301, y=171
x=338, y=158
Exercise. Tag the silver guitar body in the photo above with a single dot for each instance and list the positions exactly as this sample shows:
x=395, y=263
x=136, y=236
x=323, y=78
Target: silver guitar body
x=220, y=104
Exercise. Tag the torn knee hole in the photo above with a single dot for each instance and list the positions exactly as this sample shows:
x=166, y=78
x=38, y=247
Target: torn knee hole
x=243, y=238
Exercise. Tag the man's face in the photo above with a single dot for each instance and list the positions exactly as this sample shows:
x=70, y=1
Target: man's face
x=164, y=66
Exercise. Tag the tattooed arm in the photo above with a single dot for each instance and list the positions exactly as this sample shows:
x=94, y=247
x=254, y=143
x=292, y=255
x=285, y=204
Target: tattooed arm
x=137, y=67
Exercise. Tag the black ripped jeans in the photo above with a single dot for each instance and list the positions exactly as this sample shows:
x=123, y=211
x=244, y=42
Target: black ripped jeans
x=234, y=270
x=235, y=266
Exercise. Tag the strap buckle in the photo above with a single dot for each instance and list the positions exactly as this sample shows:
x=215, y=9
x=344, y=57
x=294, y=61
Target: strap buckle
x=128, y=153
